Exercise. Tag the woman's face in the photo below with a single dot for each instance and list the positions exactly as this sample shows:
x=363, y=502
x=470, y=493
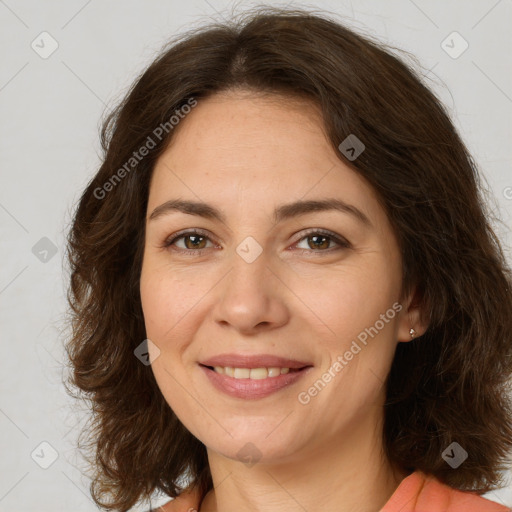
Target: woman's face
x=250, y=278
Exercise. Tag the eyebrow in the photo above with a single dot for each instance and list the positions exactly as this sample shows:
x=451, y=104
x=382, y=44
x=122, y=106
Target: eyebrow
x=282, y=212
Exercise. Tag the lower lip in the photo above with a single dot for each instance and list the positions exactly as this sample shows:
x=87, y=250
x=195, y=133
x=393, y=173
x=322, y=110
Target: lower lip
x=252, y=388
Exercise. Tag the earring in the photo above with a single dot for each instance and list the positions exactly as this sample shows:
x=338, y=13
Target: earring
x=412, y=332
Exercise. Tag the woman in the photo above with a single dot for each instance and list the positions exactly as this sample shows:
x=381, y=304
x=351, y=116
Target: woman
x=286, y=291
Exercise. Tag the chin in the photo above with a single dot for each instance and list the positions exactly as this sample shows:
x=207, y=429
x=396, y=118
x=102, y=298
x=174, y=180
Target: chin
x=256, y=448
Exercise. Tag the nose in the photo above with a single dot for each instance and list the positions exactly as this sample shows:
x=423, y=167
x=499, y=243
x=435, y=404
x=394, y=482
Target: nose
x=252, y=297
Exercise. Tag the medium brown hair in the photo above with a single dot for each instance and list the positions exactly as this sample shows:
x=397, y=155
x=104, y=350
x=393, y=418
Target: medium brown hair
x=451, y=384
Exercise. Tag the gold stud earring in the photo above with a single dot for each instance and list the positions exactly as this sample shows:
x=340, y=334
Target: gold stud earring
x=412, y=332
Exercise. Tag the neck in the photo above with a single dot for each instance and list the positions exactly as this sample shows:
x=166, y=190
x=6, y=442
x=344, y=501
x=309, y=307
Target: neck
x=347, y=472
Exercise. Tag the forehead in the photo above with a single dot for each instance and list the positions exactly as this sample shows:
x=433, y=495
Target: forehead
x=232, y=126
x=249, y=150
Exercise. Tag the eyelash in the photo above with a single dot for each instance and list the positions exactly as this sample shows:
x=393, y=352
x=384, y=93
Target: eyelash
x=343, y=244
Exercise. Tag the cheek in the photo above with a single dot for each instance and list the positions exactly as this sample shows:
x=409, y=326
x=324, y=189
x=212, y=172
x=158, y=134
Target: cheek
x=343, y=303
x=165, y=304
x=168, y=300
x=153, y=300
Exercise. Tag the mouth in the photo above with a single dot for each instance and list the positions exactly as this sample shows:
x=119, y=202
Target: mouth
x=253, y=373
x=252, y=377
x=253, y=361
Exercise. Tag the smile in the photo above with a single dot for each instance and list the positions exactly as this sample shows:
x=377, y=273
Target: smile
x=251, y=373
x=252, y=383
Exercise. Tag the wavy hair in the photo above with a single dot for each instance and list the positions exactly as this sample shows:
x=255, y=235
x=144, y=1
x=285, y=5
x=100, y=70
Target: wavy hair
x=450, y=384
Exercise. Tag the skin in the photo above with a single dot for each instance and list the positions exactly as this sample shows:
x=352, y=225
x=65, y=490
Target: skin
x=246, y=154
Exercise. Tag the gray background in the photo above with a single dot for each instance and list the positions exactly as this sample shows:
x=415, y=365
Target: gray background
x=50, y=110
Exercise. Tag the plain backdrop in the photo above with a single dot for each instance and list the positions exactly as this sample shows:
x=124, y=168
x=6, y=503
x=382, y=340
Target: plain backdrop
x=50, y=109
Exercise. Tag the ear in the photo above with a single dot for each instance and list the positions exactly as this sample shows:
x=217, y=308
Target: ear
x=410, y=317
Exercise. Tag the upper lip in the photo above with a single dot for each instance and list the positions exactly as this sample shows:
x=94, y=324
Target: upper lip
x=253, y=361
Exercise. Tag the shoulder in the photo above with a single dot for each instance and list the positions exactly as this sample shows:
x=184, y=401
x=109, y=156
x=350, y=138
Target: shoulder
x=456, y=501
x=187, y=501
x=422, y=493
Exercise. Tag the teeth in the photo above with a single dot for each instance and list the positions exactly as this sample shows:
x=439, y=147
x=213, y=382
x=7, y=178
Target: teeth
x=250, y=373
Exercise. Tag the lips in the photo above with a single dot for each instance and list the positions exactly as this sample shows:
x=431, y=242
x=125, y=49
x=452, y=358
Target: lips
x=254, y=361
x=252, y=388
x=252, y=376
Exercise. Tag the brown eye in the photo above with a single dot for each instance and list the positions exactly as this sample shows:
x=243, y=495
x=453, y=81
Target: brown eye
x=196, y=241
x=320, y=241
x=192, y=241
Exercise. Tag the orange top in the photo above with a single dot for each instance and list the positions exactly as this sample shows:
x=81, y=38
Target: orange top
x=416, y=493
x=421, y=493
